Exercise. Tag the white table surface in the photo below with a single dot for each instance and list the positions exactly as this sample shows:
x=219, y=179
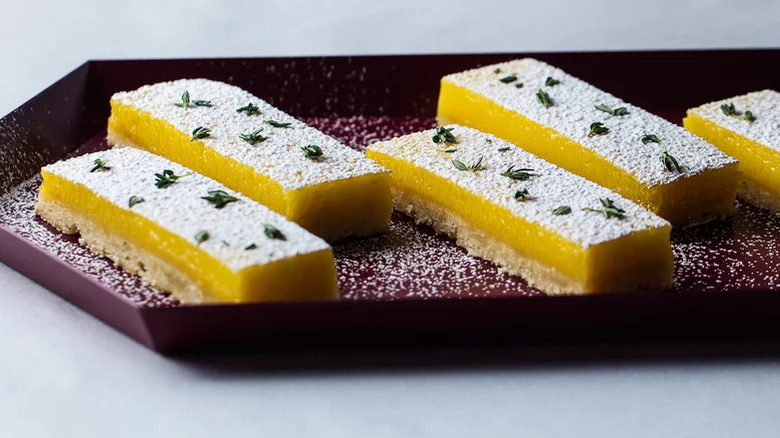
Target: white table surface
x=65, y=374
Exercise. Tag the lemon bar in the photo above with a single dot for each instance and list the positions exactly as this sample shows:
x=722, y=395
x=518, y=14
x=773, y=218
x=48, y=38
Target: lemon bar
x=227, y=134
x=182, y=232
x=561, y=232
x=594, y=134
x=746, y=127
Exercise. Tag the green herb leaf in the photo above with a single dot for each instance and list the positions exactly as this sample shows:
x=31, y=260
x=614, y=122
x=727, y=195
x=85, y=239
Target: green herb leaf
x=504, y=149
x=219, y=198
x=99, y=165
x=134, y=200
x=249, y=109
x=185, y=100
x=254, y=137
x=543, y=98
x=670, y=163
x=519, y=85
x=443, y=135
x=202, y=236
x=488, y=141
x=550, y=82
x=200, y=133
x=609, y=210
x=730, y=110
x=597, y=128
x=166, y=178
x=650, y=138
x=622, y=111
x=276, y=124
x=508, y=79
x=517, y=174
x=497, y=71
x=563, y=209
x=312, y=152
x=521, y=195
x=474, y=167
x=273, y=233
x=449, y=151
x=250, y=247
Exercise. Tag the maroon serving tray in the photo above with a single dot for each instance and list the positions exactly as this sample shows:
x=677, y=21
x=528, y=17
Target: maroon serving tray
x=408, y=287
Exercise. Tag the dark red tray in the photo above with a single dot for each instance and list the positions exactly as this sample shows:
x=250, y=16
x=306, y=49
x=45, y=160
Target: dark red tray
x=408, y=287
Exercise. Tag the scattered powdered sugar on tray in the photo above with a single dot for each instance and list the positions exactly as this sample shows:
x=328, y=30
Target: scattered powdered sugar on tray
x=411, y=262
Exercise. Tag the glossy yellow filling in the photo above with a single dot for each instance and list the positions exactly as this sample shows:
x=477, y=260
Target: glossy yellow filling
x=357, y=206
x=759, y=164
x=280, y=280
x=639, y=260
x=685, y=201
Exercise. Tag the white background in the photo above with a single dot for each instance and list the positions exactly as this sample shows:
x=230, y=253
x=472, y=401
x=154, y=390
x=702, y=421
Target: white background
x=63, y=373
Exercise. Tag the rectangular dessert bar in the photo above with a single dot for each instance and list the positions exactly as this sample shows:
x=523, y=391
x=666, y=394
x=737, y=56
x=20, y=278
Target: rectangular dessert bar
x=249, y=146
x=182, y=232
x=746, y=127
x=561, y=232
x=594, y=134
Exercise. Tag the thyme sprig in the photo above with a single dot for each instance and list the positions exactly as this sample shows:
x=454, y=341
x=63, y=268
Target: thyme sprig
x=185, y=101
x=597, y=128
x=473, y=168
x=99, y=165
x=609, y=210
x=249, y=109
x=167, y=178
x=443, y=135
x=517, y=174
x=253, y=137
x=543, y=98
x=200, y=133
x=276, y=124
x=730, y=110
x=621, y=111
x=219, y=198
x=550, y=82
x=273, y=233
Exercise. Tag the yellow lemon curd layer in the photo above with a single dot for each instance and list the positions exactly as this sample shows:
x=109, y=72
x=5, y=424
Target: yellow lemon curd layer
x=161, y=238
x=701, y=188
x=335, y=195
x=751, y=138
x=580, y=251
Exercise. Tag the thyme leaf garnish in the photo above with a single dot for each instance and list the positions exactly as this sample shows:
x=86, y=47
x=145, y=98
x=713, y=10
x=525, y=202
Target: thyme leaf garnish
x=273, y=233
x=517, y=174
x=185, y=101
x=219, y=198
x=443, y=135
x=134, y=200
x=508, y=79
x=254, y=137
x=312, y=151
x=276, y=124
x=504, y=149
x=609, y=210
x=249, y=109
x=99, y=165
x=622, y=111
x=543, y=98
x=166, y=178
x=650, y=138
x=670, y=163
x=251, y=246
x=200, y=133
x=730, y=110
x=521, y=194
x=550, y=82
x=563, y=209
x=597, y=128
x=202, y=236
x=474, y=167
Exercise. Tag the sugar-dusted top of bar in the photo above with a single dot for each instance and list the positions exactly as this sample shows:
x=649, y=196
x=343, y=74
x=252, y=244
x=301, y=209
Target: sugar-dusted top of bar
x=573, y=110
x=180, y=209
x=279, y=156
x=549, y=186
x=763, y=105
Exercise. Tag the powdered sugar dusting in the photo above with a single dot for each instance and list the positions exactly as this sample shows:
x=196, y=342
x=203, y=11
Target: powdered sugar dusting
x=549, y=186
x=279, y=156
x=181, y=209
x=764, y=105
x=574, y=109
x=411, y=262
